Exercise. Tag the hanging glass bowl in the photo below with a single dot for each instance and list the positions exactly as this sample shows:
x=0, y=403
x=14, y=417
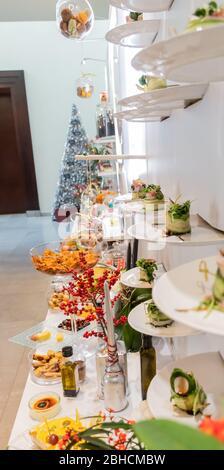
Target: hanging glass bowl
x=84, y=86
x=74, y=18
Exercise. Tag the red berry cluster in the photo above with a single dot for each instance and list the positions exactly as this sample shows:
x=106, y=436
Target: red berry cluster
x=85, y=289
x=96, y=334
x=121, y=321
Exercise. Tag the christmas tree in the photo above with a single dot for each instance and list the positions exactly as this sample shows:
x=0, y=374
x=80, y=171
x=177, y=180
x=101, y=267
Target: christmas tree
x=73, y=173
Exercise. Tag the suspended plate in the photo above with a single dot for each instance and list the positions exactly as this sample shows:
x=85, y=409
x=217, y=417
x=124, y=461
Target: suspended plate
x=142, y=5
x=143, y=114
x=208, y=369
x=199, y=235
x=138, y=320
x=184, y=93
x=137, y=34
x=178, y=292
x=190, y=57
x=131, y=278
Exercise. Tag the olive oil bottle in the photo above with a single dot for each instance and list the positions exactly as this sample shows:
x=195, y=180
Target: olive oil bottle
x=148, y=363
x=69, y=373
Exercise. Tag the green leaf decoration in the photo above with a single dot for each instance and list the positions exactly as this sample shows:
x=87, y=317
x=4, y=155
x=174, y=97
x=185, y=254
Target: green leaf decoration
x=138, y=293
x=168, y=435
x=131, y=337
x=96, y=444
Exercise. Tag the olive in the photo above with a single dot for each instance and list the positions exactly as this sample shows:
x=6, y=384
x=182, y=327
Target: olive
x=53, y=439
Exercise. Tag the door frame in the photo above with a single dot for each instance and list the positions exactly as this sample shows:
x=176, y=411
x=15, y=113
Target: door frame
x=14, y=82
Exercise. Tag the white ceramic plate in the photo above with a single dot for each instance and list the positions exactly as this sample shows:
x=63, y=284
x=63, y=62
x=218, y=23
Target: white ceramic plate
x=137, y=319
x=131, y=278
x=198, y=236
x=190, y=57
x=143, y=114
x=184, y=288
x=142, y=5
x=169, y=94
x=139, y=204
x=208, y=369
x=137, y=34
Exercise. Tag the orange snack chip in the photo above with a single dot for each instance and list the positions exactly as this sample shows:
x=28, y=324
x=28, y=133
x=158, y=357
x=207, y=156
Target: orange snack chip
x=64, y=262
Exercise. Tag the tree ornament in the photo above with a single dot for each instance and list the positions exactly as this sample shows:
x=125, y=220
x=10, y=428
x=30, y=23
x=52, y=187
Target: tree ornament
x=74, y=18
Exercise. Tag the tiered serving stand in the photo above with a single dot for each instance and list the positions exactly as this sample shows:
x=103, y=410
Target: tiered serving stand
x=193, y=60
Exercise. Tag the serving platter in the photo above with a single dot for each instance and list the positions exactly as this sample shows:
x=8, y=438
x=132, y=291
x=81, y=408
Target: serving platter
x=24, y=338
x=186, y=94
x=143, y=114
x=198, y=236
x=137, y=34
x=131, y=278
x=142, y=5
x=137, y=319
x=208, y=369
x=178, y=292
x=189, y=57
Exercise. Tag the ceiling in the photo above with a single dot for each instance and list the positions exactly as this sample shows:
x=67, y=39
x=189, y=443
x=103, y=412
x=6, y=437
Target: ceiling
x=42, y=10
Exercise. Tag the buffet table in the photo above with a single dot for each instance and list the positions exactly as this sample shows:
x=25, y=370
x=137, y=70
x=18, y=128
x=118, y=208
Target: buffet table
x=86, y=402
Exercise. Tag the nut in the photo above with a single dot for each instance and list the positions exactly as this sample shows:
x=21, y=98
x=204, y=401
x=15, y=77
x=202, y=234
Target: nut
x=81, y=28
x=66, y=14
x=64, y=26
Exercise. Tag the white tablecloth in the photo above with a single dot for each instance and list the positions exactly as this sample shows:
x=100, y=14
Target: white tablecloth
x=86, y=401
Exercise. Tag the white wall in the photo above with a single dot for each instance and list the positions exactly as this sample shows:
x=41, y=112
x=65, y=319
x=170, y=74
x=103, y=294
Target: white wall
x=51, y=64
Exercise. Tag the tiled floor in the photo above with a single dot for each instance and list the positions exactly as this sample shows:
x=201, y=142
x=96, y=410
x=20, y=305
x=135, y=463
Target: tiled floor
x=22, y=304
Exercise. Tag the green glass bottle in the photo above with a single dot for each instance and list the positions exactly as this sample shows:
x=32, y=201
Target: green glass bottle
x=69, y=373
x=148, y=364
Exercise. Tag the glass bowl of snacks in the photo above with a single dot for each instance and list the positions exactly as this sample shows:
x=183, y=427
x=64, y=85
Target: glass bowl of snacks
x=45, y=368
x=75, y=18
x=52, y=258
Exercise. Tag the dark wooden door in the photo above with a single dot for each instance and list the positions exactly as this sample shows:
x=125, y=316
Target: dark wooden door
x=18, y=191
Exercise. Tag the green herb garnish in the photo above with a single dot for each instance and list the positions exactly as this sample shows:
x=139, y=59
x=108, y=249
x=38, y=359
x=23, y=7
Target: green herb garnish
x=180, y=211
x=207, y=11
x=134, y=15
x=149, y=266
x=144, y=80
x=154, y=188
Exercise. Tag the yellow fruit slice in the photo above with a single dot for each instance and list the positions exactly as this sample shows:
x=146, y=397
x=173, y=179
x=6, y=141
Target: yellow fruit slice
x=59, y=337
x=43, y=336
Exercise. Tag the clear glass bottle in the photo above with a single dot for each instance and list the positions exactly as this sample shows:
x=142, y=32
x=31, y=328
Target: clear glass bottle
x=104, y=117
x=69, y=373
x=80, y=361
x=74, y=18
x=148, y=364
x=101, y=357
